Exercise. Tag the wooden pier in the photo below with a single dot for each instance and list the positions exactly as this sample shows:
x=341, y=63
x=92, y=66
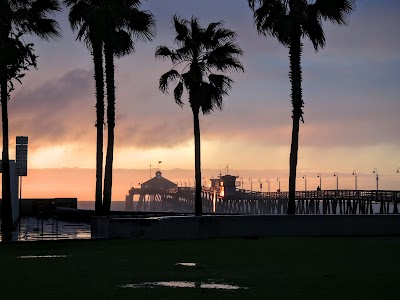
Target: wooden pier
x=326, y=202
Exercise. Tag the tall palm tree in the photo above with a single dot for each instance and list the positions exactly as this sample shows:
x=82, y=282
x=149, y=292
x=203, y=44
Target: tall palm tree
x=203, y=54
x=18, y=17
x=289, y=21
x=125, y=24
x=110, y=27
x=86, y=16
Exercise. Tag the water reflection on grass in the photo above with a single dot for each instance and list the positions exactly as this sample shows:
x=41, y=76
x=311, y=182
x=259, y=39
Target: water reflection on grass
x=183, y=284
x=41, y=256
x=186, y=264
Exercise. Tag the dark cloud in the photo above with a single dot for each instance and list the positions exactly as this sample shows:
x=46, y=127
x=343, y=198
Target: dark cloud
x=57, y=111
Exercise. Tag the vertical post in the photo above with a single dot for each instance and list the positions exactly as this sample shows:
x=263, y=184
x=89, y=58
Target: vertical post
x=20, y=196
x=150, y=172
x=337, y=180
x=20, y=202
x=375, y=171
x=355, y=179
x=305, y=183
x=320, y=180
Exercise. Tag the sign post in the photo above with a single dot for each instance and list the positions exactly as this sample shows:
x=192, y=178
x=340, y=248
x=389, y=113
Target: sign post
x=21, y=158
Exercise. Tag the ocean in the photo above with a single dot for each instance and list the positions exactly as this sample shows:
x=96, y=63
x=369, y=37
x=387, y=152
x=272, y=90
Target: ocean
x=115, y=205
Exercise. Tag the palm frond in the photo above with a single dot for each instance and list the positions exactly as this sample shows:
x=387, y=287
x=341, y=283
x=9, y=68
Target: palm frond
x=178, y=93
x=164, y=52
x=271, y=18
x=335, y=11
x=142, y=25
x=224, y=58
x=45, y=28
x=312, y=28
x=122, y=43
x=167, y=78
x=221, y=83
x=181, y=28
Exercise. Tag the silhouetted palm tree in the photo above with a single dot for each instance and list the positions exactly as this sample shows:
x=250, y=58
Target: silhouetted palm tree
x=124, y=25
x=289, y=21
x=203, y=54
x=112, y=27
x=18, y=17
x=87, y=17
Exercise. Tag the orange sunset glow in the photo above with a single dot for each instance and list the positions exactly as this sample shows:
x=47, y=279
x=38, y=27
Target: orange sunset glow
x=351, y=111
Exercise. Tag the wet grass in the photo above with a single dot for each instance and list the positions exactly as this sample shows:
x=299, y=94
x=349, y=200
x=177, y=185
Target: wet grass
x=271, y=268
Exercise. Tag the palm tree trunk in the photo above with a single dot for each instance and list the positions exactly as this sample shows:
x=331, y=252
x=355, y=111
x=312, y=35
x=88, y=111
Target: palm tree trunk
x=98, y=77
x=197, y=158
x=109, y=58
x=297, y=102
x=6, y=211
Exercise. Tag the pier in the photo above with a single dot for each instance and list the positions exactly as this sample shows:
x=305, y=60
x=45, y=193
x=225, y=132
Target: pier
x=325, y=202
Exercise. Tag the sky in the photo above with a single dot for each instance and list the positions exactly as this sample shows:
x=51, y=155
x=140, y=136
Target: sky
x=350, y=88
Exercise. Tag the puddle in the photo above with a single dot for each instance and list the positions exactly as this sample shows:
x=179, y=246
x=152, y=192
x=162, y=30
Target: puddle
x=41, y=256
x=183, y=284
x=186, y=264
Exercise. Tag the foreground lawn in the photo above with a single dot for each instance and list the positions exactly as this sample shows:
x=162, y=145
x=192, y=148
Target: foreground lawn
x=270, y=268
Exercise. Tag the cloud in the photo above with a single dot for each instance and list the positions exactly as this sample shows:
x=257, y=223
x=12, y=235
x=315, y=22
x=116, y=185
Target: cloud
x=61, y=111
x=57, y=111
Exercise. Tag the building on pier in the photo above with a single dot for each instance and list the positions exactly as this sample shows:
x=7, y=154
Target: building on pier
x=157, y=185
x=227, y=185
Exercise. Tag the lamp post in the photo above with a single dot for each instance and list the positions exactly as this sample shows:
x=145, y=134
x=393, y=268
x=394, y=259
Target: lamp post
x=337, y=180
x=251, y=184
x=159, y=162
x=241, y=178
x=398, y=170
x=279, y=184
x=150, y=172
x=305, y=182
x=268, y=185
x=375, y=171
x=355, y=179
x=259, y=180
x=320, y=180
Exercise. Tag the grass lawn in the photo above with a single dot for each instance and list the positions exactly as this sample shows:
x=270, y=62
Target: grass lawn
x=271, y=268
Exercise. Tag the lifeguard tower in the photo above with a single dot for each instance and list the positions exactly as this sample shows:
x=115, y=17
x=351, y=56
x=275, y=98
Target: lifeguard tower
x=227, y=185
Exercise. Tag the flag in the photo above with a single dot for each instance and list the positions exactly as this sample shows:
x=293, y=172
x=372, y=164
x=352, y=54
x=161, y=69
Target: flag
x=160, y=162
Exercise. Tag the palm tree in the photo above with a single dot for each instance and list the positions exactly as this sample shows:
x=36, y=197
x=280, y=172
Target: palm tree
x=86, y=16
x=112, y=27
x=289, y=21
x=203, y=54
x=124, y=25
x=19, y=17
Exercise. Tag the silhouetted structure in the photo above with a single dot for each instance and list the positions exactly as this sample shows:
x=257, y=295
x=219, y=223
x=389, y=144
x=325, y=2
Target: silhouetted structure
x=150, y=191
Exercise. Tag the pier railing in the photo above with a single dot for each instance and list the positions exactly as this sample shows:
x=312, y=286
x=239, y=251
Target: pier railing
x=251, y=202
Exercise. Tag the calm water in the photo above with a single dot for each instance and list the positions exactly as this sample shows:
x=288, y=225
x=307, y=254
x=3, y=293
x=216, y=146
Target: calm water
x=115, y=205
x=35, y=229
